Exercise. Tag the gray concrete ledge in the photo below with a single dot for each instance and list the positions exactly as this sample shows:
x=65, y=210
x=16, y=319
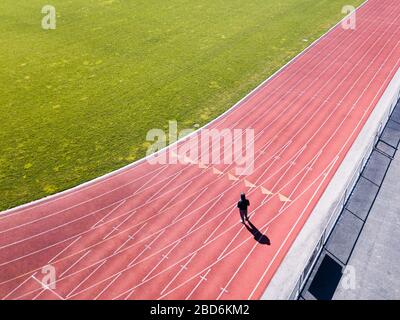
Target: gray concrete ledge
x=298, y=263
x=376, y=255
x=366, y=227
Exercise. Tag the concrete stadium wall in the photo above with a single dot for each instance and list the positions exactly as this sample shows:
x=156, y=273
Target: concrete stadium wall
x=295, y=268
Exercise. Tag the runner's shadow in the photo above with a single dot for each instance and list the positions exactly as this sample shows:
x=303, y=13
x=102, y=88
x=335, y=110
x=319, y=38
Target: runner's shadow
x=258, y=236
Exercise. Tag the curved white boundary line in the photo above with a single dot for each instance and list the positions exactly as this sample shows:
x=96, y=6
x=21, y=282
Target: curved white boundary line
x=55, y=196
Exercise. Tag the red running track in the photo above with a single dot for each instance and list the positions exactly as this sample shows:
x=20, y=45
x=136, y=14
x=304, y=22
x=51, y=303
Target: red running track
x=172, y=231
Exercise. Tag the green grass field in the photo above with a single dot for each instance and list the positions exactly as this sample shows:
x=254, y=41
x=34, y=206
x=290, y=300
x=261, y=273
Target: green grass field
x=77, y=102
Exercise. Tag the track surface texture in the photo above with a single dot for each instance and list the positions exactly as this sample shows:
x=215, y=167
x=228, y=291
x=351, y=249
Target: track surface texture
x=173, y=231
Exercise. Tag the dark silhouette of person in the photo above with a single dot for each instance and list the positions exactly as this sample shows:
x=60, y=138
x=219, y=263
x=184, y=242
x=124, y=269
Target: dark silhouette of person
x=243, y=204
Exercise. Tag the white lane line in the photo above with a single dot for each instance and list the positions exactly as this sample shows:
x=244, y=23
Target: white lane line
x=211, y=220
x=266, y=201
x=19, y=286
x=47, y=288
x=150, y=180
x=278, y=152
x=324, y=174
x=119, y=225
x=282, y=150
x=281, y=112
x=343, y=80
x=129, y=295
x=205, y=213
x=291, y=230
x=224, y=289
x=147, y=247
x=164, y=257
x=328, y=169
x=164, y=187
x=314, y=160
x=73, y=206
x=216, y=122
x=290, y=166
x=107, y=286
x=84, y=280
x=354, y=83
x=338, y=127
x=183, y=267
x=183, y=218
x=81, y=218
x=130, y=237
x=75, y=263
x=108, y=214
x=65, y=249
x=176, y=196
x=190, y=204
x=325, y=57
x=202, y=278
x=251, y=192
x=249, y=238
x=38, y=295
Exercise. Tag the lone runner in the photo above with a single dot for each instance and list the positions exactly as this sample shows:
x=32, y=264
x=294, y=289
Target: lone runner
x=243, y=204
